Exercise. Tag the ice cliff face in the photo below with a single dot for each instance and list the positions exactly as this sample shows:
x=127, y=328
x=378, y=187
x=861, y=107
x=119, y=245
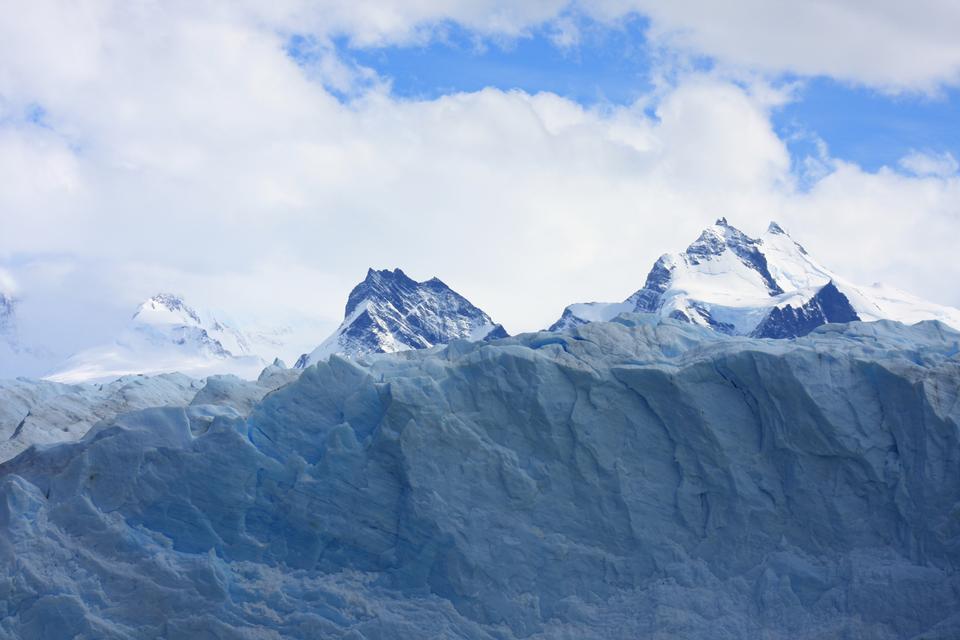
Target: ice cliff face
x=166, y=335
x=390, y=312
x=40, y=412
x=766, y=287
x=632, y=479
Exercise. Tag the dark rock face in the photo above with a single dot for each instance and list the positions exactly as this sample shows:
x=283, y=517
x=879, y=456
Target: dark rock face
x=567, y=320
x=828, y=305
x=418, y=314
x=390, y=311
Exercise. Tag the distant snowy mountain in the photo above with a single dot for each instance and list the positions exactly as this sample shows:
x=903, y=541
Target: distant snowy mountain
x=167, y=335
x=768, y=287
x=6, y=312
x=390, y=312
x=8, y=342
x=7, y=326
x=16, y=357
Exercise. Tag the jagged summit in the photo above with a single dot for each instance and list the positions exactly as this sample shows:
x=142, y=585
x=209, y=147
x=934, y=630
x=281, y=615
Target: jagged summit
x=167, y=307
x=389, y=311
x=721, y=238
x=775, y=229
x=767, y=286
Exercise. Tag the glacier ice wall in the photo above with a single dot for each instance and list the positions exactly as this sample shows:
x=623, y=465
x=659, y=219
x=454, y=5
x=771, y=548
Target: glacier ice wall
x=628, y=479
x=43, y=412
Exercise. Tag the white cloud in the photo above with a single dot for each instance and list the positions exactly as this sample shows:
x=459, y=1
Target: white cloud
x=919, y=163
x=182, y=149
x=565, y=32
x=888, y=44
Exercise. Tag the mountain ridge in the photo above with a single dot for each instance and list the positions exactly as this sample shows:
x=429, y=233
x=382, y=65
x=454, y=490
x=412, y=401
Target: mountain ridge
x=768, y=286
x=165, y=335
x=389, y=312
x=735, y=284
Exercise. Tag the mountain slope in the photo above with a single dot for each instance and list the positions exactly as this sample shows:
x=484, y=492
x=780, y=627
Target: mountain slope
x=390, y=312
x=166, y=335
x=6, y=313
x=18, y=357
x=643, y=478
x=787, y=321
x=735, y=284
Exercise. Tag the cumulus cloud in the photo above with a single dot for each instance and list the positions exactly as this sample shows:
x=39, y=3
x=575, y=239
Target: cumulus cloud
x=930, y=164
x=892, y=45
x=181, y=147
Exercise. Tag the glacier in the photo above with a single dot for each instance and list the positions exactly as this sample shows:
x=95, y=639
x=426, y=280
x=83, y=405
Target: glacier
x=167, y=335
x=41, y=412
x=639, y=478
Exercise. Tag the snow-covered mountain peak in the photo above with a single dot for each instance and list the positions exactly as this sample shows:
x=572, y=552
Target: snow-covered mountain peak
x=381, y=284
x=775, y=229
x=768, y=286
x=721, y=241
x=166, y=334
x=389, y=311
x=167, y=308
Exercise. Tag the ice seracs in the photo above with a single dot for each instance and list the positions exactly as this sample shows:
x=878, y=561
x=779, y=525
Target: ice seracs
x=41, y=412
x=643, y=478
x=166, y=335
x=390, y=312
x=766, y=287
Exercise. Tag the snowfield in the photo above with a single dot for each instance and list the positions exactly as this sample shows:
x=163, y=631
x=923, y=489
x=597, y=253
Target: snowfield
x=641, y=478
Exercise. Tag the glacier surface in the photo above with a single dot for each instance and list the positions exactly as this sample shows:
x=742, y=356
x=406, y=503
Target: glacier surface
x=639, y=478
x=42, y=412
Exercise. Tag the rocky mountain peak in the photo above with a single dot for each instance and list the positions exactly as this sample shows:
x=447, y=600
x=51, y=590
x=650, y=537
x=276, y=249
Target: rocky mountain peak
x=389, y=311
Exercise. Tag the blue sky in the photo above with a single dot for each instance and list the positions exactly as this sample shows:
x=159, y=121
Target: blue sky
x=606, y=65
x=616, y=65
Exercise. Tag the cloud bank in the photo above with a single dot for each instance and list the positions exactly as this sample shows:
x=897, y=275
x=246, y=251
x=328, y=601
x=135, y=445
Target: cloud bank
x=179, y=146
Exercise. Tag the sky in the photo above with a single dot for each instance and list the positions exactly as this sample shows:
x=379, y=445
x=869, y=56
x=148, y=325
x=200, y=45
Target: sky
x=259, y=157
